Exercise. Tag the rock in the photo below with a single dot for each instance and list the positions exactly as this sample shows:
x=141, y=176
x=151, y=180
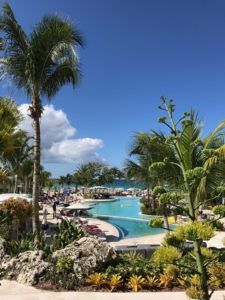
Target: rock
x=88, y=255
x=27, y=267
x=2, y=248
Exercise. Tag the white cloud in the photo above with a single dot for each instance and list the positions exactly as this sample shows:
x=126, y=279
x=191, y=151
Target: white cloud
x=58, y=141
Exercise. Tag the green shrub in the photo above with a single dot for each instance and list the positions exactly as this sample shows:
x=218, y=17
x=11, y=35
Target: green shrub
x=26, y=242
x=66, y=233
x=132, y=263
x=166, y=255
x=61, y=274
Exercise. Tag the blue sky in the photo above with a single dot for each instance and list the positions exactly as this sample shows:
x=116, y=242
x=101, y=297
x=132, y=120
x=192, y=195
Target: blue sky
x=135, y=52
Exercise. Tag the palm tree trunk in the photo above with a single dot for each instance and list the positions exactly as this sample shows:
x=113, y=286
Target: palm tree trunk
x=26, y=185
x=15, y=183
x=36, y=175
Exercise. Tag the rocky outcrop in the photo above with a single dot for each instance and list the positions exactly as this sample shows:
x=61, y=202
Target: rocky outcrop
x=27, y=267
x=88, y=255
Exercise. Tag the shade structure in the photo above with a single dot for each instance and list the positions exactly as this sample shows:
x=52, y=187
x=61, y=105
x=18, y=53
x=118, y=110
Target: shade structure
x=98, y=188
x=4, y=197
x=78, y=206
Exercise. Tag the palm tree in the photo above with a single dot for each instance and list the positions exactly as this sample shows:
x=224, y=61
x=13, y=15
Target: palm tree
x=20, y=151
x=62, y=181
x=27, y=173
x=39, y=63
x=148, y=148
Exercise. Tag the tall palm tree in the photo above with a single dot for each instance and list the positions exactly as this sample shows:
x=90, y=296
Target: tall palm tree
x=147, y=149
x=20, y=151
x=39, y=63
x=27, y=173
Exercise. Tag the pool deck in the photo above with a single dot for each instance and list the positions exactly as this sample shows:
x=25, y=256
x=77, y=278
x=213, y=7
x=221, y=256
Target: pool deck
x=112, y=234
x=12, y=290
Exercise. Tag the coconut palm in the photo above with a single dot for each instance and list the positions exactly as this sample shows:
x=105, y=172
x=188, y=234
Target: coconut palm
x=9, y=119
x=14, y=158
x=27, y=173
x=146, y=149
x=39, y=63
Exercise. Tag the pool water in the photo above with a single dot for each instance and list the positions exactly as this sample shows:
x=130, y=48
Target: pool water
x=124, y=213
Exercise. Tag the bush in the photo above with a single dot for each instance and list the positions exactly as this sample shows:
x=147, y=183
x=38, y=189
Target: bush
x=129, y=264
x=14, y=214
x=66, y=233
x=166, y=255
x=26, y=242
x=61, y=274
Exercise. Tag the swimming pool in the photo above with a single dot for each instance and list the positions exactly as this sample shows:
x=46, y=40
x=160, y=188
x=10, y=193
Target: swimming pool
x=124, y=213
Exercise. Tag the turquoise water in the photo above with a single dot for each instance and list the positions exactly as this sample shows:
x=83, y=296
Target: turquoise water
x=125, y=214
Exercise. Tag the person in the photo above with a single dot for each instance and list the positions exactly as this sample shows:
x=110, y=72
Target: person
x=54, y=209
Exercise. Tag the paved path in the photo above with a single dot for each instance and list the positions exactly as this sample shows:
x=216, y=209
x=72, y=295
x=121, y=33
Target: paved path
x=11, y=290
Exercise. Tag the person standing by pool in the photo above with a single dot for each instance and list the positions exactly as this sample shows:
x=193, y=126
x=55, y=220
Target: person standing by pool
x=54, y=209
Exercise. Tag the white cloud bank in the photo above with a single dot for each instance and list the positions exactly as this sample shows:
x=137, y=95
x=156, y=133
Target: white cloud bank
x=58, y=141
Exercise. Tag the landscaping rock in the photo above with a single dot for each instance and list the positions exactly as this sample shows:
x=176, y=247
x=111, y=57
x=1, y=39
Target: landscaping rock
x=27, y=267
x=88, y=255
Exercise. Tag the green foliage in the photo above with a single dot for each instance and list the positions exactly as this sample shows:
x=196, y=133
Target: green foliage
x=131, y=263
x=195, y=231
x=158, y=190
x=173, y=240
x=156, y=222
x=170, y=197
x=219, y=210
x=196, y=173
x=218, y=225
x=26, y=242
x=194, y=290
x=166, y=255
x=61, y=274
x=64, y=264
x=217, y=275
x=65, y=233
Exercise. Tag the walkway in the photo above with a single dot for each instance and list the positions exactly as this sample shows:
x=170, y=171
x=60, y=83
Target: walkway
x=11, y=290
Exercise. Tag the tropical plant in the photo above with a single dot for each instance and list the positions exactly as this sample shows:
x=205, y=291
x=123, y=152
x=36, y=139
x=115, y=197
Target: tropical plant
x=20, y=152
x=14, y=213
x=114, y=282
x=39, y=63
x=166, y=255
x=152, y=282
x=65, y=233
x=136, y=282
x=96, y=280
x=201, y=164
x=61, y=274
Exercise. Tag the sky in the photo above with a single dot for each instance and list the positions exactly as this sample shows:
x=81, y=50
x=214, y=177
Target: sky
x=135, y=51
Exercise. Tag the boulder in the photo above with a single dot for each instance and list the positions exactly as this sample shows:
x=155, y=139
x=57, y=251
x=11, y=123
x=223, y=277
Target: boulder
x=88, y=255
x=27, y=267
